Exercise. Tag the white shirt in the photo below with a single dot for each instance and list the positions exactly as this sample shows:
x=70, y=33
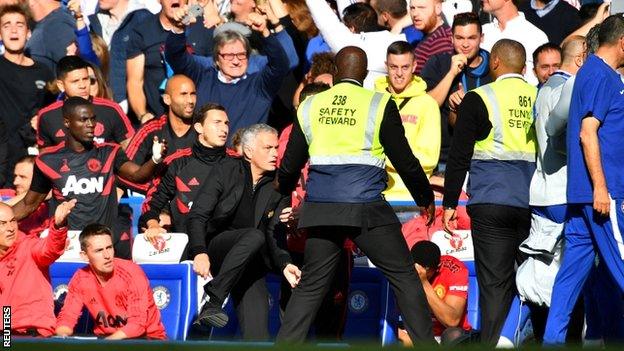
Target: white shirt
x=337, y=36
x=452, y=7
x=520, y=30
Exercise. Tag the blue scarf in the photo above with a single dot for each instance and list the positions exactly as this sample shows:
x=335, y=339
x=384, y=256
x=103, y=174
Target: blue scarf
x=478, y=72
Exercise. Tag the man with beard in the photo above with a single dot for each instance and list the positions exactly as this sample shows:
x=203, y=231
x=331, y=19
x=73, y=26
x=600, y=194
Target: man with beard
x=427, y=18
x=174, y=126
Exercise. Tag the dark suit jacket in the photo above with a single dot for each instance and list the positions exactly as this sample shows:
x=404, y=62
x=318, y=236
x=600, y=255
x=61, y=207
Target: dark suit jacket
x=215, y=207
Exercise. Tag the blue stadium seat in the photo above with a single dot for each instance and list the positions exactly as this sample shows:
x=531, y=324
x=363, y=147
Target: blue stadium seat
x=473, y=296
x=371, y=307
x=174, y=287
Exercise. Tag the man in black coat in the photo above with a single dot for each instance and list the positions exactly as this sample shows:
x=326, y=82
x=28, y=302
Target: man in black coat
x=231, y=229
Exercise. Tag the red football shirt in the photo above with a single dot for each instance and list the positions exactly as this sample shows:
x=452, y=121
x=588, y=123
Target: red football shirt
x=451, y=280
x=125, y=302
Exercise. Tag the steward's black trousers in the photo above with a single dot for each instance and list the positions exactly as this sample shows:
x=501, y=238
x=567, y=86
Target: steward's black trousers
x=386, y=248
x=239, y=270
x=497, y=232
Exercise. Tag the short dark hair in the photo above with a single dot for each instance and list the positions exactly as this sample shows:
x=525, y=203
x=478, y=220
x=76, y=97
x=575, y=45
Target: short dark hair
x=399, y=47
x=426, y=254
x=396, y=8
x=360, y=16
x=71, y=104
x=546, y=47
x=15, y=8
x=90, y=231
x=322, y=62
x=511, y=53
x=26, y=159
x=466, y=18
x=611, y=30
x=202, y=113
x=312, y=89
x=592, y=39
x=68, y=64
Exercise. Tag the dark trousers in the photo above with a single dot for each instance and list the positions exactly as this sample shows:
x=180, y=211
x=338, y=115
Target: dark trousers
x=497, y=232
x=238, y=270
x=386, y=248
x=331, y=317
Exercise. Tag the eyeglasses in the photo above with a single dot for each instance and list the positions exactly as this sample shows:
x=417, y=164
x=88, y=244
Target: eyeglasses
x=93, y=80
x=230, y=56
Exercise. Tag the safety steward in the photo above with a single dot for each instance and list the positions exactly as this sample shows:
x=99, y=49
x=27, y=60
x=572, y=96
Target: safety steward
x=495, y=140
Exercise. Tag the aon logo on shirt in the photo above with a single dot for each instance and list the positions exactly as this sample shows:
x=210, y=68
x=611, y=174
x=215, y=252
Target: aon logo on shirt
x=83, y=185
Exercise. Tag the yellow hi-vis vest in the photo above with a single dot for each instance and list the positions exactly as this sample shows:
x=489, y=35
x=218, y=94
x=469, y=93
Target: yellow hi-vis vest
x=509, y=103
x=341, y=127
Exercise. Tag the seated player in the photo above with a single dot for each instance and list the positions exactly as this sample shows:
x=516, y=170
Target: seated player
x=115, y=291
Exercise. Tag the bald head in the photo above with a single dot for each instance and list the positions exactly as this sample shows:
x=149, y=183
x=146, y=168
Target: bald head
x=180, y=95
x=507, y=56
x=573, y=47
x=351, y=63
x=8, y=230
x=4, y=208
x=176, y=81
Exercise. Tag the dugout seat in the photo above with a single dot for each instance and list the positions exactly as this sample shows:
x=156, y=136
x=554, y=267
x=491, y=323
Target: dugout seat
x=170, y=251
x=371, y=307
x=174, y=286
x=473, y=296
x=72, y=248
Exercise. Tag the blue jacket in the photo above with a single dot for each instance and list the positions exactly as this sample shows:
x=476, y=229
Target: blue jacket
x=117, y=49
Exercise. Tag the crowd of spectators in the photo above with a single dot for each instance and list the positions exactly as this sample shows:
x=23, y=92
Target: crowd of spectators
x=104, y=99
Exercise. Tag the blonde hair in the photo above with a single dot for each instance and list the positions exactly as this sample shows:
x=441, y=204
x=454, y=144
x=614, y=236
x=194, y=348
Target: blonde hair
x=101, y=51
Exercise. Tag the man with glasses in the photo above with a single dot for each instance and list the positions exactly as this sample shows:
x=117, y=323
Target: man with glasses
x=246, y=97
x=73, y=80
